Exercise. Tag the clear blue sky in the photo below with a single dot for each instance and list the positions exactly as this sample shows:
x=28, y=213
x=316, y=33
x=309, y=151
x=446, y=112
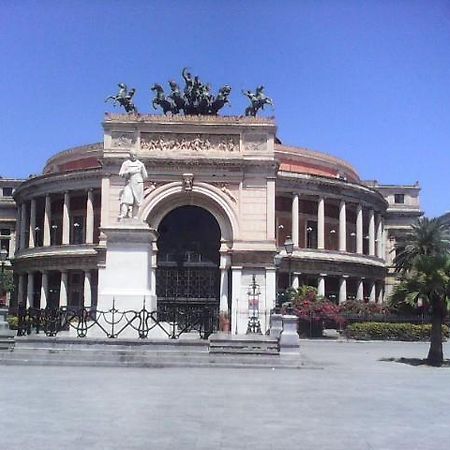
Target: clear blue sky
x=367, y=81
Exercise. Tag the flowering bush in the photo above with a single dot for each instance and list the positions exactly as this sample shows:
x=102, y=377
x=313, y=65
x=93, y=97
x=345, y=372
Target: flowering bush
x=314, y=312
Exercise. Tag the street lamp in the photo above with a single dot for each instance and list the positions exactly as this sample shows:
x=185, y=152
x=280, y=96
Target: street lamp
x=3, y=256
x=254, y=325
x=277, y=262
x=289, y=247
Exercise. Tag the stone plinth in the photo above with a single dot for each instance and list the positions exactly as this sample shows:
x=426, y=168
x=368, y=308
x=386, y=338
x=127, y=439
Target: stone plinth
x=126, y=277
x=289, y=339
x=276, y=325
x=6, y=335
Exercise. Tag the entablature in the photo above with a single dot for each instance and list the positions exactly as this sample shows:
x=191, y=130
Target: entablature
x=58, y=183
x=315, y=186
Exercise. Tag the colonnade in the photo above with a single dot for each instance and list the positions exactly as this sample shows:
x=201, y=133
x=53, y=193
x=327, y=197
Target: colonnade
x=375, y=226
x=362, y=284
x=27, y=216
x=26, y=288
x=368, y=225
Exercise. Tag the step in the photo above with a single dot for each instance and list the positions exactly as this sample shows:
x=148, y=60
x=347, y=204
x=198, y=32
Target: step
x=249, y=344
x=126, y=357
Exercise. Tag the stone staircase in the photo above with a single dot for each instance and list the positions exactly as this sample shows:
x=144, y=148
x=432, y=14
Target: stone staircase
x=219, y=351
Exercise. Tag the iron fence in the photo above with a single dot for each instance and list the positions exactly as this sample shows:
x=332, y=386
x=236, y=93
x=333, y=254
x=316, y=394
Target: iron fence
x=172, y=322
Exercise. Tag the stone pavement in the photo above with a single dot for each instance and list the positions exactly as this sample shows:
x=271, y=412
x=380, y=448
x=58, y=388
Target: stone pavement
x=350, y=400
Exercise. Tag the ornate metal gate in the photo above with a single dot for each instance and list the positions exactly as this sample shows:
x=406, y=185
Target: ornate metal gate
x=188, y=273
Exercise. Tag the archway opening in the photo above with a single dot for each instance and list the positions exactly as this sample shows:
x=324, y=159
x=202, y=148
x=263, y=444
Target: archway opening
x=188, y=258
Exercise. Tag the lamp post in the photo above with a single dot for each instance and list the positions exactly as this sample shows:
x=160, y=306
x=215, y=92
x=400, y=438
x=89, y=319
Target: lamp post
x=3, y=256
x=54, y=228
x=76, y=232
x=289, y=247
x=277, y=262
x=254, y=325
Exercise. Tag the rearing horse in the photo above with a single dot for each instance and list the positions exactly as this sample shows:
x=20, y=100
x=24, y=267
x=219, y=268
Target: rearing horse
x=161, y=100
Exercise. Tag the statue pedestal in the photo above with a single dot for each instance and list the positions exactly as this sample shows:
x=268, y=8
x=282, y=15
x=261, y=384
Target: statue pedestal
x=126, y=277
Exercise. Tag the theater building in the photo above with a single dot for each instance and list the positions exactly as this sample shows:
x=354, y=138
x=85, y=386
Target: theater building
x=222, y=197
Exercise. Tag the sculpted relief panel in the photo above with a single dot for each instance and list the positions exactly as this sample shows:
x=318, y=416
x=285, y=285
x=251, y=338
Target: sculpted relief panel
x=123, y=139
x=255, y=142
x=189, y=142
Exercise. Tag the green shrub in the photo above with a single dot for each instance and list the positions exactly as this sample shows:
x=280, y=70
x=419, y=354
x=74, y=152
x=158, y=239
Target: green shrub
x=13, y=322
x=391, y=331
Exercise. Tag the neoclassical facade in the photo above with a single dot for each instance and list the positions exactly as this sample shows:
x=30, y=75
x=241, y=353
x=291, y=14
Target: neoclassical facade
x=221, y=198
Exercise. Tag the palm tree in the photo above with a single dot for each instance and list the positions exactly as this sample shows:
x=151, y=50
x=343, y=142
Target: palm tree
x=424, y=264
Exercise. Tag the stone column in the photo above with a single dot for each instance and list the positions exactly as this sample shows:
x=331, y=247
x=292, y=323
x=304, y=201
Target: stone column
x=236, y=276
x=87, y=289
x=90, y=217
x=13, y=244
x=271, y=290
x=44, y=290
x=31, y=240
x=372, y=292
x=295, y=212
x=379, y=236
x=224, y=266
x=342, y=227
x=321, y=285
x=343, y=289
x=66, y=219
x=21, y=289
x=17, y=241
x=223, y=290
x=154, y=266
x=63, y=288
x=296, y=280
x=359, y=229
x=30, y=289
x=23, y=223
x=371, y=233
x=47, y=220
x=381, y=293
x=360, y=291
x=321, y=224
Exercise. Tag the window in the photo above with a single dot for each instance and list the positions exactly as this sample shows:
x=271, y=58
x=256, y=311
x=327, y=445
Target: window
x=399, y=198
x=7, y=191
x=4, y=242
x=311, y=234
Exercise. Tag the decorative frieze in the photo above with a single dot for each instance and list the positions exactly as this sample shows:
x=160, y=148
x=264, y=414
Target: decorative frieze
x=189, y=142
x=255, y=142
x=123, y=139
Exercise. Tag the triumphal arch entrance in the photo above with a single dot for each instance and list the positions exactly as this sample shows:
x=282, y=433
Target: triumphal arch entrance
x=206, y=221
x=188, y=259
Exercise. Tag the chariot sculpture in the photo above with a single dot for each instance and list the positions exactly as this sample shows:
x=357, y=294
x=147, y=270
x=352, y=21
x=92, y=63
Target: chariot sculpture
x=195, y=99
x=124, y=98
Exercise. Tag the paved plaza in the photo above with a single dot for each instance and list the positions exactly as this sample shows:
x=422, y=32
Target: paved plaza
x=346, y=399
